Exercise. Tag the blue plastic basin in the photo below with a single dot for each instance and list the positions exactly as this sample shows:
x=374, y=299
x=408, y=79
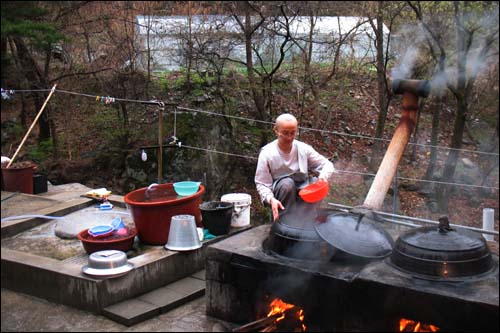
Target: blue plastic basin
x=186, y=188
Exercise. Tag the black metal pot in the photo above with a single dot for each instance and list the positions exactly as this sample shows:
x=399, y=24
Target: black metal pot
x=442, y=253
x=298, y=239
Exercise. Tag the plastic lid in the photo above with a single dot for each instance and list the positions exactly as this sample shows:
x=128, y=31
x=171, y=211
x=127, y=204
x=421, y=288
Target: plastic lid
x=100, y=230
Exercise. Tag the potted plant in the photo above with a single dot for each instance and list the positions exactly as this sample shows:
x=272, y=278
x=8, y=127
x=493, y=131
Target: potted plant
x=18, y=177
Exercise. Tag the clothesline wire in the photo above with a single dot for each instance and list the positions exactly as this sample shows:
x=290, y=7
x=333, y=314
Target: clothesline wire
x=218, y=152
x=346, y=171
x=262, y=121
x=271, y=123
x=155, y=102
x=334, y=132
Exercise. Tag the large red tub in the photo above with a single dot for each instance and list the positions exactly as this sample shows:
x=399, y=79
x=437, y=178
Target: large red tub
x=152, y=213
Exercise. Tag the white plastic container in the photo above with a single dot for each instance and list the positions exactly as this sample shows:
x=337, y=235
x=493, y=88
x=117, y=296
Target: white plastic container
x=488, y=222
x=241, y=210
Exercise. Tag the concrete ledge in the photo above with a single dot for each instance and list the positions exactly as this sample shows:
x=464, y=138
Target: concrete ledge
x=10, y=228
x=161, y=300
x=63, y=281
x=131, y=312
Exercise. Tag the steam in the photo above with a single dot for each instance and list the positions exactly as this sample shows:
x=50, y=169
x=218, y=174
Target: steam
x=405, y=68
x=409, y=48
x=412, y=41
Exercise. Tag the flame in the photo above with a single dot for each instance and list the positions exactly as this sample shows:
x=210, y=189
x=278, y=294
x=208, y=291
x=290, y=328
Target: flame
x=279, y=307
x=407, y=325
x=301, y=318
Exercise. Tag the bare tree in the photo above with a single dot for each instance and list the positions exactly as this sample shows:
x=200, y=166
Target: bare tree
x=475, y=43
x=385, y=12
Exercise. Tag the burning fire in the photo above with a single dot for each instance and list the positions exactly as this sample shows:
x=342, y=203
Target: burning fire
x=279, y=307
x=407, y=325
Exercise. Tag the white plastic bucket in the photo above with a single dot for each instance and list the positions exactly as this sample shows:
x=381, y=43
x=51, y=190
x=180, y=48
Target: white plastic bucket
x=241, y=209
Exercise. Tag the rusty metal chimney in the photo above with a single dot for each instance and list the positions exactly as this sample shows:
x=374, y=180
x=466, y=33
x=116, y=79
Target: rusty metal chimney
x=411, y=91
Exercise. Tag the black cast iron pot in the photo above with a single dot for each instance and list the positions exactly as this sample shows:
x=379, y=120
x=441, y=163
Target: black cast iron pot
x=442, y=253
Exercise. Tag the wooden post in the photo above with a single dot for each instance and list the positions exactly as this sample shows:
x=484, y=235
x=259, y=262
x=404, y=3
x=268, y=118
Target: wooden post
x=160, y=143
x=32, y=125
x=388, y=166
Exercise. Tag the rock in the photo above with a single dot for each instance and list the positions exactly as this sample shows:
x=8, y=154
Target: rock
x=468, y=163
x=70, y=225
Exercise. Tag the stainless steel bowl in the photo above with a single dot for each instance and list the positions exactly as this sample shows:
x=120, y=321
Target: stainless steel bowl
x=107, y=263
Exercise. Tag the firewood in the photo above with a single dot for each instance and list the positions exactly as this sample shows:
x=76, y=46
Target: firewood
x=262, y=323
x=270, y=328
x=258, y=324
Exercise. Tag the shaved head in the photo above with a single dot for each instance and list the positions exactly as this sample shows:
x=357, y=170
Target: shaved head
x=285, y=118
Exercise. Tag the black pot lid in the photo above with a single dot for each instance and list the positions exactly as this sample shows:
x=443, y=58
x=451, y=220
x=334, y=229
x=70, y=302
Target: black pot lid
x=429, y=238
x=356, y=234
x=442, y=253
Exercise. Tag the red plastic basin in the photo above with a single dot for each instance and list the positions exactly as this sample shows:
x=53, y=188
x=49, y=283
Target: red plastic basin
x=314, y=192
x=112, y=242
x=152, y=216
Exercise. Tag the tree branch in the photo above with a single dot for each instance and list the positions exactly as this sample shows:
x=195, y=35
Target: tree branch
x=77, y=74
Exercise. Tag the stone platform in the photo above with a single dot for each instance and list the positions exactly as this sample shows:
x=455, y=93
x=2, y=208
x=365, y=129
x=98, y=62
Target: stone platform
x=163, y=279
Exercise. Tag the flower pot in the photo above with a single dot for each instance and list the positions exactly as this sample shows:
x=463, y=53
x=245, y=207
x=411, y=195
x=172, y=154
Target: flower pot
x=18, y=179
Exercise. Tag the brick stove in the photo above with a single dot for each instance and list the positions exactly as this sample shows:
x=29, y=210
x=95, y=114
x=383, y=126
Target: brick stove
x=344, y=293
x=443, y=277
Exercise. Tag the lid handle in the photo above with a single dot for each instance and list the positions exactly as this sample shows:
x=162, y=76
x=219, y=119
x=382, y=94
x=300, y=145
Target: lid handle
x=444, y=224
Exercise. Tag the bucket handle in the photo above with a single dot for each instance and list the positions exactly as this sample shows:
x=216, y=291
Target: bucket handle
x=238, y=208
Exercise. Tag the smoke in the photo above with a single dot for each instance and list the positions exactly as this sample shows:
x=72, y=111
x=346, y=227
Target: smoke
x=409, y=41
x=412, y=43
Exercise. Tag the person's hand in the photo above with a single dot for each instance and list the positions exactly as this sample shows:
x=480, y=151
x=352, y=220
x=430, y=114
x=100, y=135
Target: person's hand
x=275, y=205
x=322, y=179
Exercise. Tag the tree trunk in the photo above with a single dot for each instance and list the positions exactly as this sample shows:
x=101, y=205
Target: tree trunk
x=256, y=94
x=43, y=121
x=492, y=160
x=190, y=48
x=382, y=92
x=33, y=75
x=436, y=113
x=257, y=97
x=461, y=92
x=55, y=139
x=413, y=156
x=444, y=190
